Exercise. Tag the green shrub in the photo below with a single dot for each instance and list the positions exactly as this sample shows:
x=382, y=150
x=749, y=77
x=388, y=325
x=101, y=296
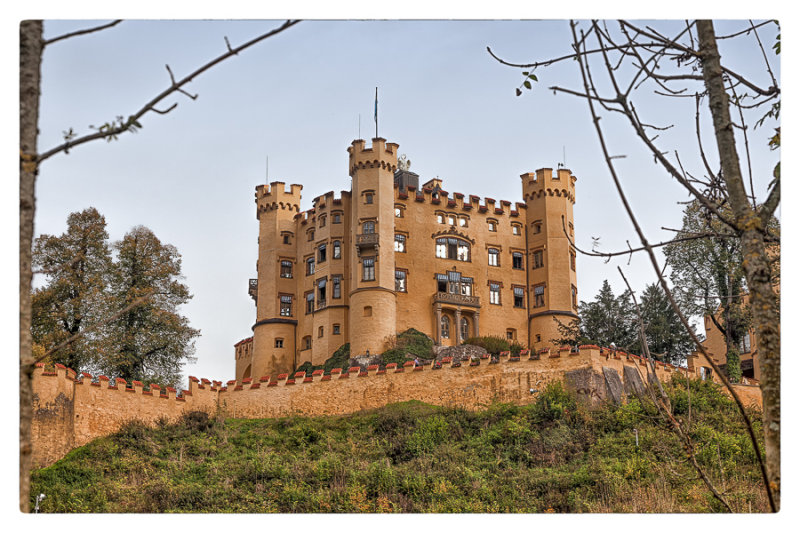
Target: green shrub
x=495, y=344
x=411, y=342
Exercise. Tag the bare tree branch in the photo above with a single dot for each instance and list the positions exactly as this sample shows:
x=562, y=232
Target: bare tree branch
x=81, y=32
x=596, y=120
x=175, y=86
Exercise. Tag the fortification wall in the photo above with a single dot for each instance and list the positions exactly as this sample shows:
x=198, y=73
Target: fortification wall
x=70, y=411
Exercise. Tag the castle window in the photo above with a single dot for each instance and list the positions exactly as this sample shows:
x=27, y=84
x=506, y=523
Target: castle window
x=286, y=269
x=321, y=332
x=445, y=327
x=398, y=211
x=464, y=329
x=537, y=227
x=367, y=310
x=307, y=342
x=511, y=334
x=452, y=248
x=310, y=302
x=451, y=219
x=745, y=344
x=574, y=293
x=322, y=220
x=440, y=218
x=516, y=229
x=311, y=235
x=279, y=343
x=494, y=257
x=337, y=287
x=322, y=253
x=286, y=239
x=516, y=261
x=572, y=261
x=538, y=259
x=368, y=227
x=519, y=297
x=337, y=218
x=337, y=250
x=322, y=290
x=400, y=280
x=337, y=329
x=538, y=338
x=399, y=243
x=369, y=269
x=286, y=305
x=462, y=222
x=538, y=296
x=368, y=198
x=492, y=225
x=309, y=266
x=571, y=230
x=494, y=293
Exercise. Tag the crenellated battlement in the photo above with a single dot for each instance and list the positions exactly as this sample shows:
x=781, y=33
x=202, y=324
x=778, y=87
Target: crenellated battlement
x=71, y=410
x=274, y=197
x=380, y=155
x=545, y=182
x=329, y=200
x=459, y=201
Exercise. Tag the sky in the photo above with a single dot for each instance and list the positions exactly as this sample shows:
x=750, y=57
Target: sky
x=296, y=99
x=288, y=108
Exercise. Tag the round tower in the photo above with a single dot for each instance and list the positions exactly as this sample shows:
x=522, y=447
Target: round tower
x=277, y=305
x=372, y=313
x=552, y=276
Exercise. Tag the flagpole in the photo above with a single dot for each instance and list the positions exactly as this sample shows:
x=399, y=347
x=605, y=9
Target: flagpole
x=376, y=112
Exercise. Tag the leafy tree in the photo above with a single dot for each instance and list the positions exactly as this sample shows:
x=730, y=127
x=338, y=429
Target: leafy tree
x=151, y=341
x=667, y=339
x=77, y=265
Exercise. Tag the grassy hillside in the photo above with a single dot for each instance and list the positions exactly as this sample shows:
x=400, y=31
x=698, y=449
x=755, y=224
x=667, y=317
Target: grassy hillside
x=551, y=456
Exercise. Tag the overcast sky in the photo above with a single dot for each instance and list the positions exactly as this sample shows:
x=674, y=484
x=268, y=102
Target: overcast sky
x=297, y=97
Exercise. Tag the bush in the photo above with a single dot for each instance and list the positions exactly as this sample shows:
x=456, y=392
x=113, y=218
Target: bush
x=339, y=359
x=411, y=342
x=494, y=344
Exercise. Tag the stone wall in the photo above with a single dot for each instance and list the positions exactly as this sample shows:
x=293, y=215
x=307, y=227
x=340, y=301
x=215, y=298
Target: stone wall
x=70, y=410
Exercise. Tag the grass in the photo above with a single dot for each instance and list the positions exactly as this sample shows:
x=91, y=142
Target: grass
x=550, y=456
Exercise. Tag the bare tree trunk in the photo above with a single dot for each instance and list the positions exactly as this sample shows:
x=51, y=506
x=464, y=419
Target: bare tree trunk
x=30, y=59
x=763, y=300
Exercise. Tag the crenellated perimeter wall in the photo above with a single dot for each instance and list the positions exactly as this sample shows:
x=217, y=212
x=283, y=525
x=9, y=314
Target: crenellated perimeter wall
x=72, y=410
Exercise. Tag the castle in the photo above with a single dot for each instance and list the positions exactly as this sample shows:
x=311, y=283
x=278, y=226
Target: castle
x=389, y=255
x=382, y=258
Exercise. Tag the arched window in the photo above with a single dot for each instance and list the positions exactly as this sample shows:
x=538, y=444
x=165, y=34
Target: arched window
x=445, y=327
x=464, y=328
x=368, y=227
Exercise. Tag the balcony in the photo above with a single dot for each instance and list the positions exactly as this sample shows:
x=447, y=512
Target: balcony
x=367, y=241
x=252, y=290
x=456, y=299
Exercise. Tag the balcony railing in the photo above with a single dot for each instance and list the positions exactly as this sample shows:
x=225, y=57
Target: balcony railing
x=365, y=241
x=252, y=289
x=457, y=299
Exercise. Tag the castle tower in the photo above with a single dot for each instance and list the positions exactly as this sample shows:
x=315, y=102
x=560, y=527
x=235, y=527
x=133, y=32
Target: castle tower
x=552, y=278
x=274, y=334
x=372, y=313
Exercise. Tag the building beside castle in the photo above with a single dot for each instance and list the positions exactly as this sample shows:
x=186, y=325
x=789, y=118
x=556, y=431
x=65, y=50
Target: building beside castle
x=389, y=255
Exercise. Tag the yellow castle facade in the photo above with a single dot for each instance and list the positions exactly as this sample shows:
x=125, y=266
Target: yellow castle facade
x=390, y=255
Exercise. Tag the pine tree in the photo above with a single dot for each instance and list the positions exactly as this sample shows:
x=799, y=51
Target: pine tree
x=667, y=339
x=608, y=319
